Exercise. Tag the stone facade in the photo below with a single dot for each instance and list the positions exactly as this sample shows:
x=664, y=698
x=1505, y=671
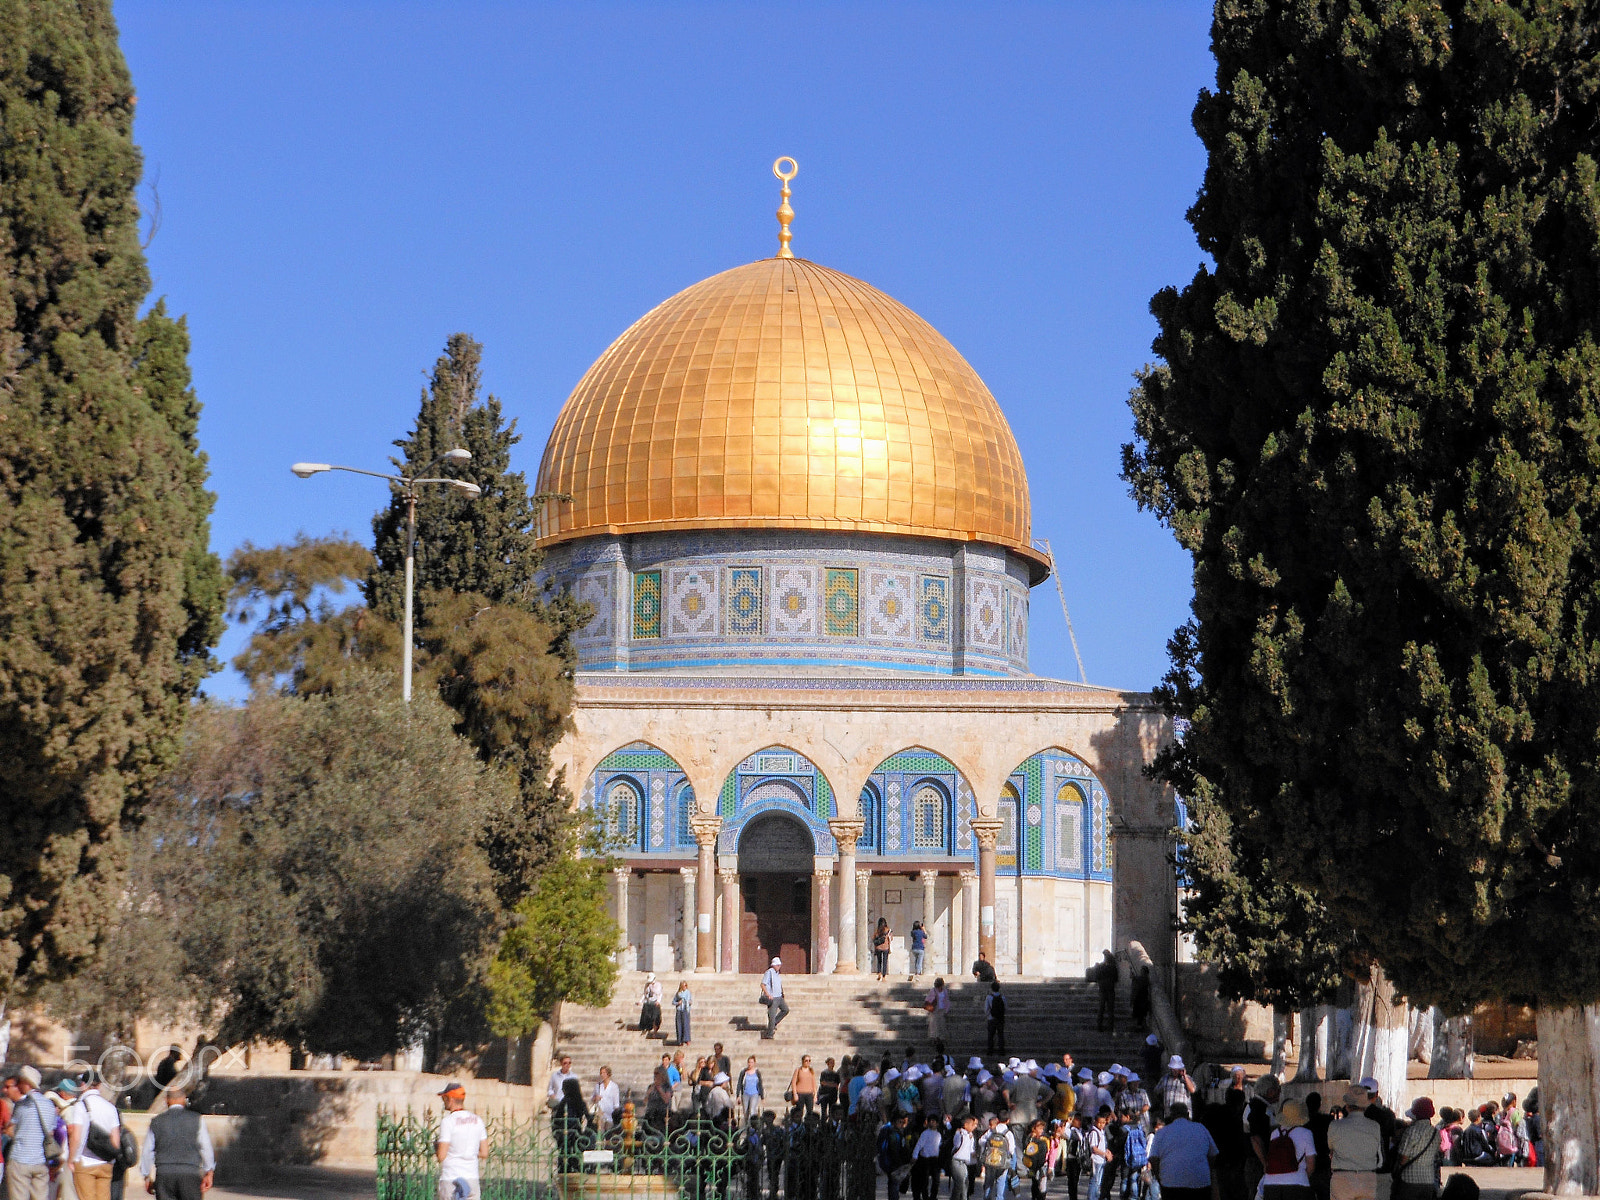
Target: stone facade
x=883, y=782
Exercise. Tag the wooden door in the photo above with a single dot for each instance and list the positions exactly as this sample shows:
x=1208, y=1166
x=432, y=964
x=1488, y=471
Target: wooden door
x=776, y=924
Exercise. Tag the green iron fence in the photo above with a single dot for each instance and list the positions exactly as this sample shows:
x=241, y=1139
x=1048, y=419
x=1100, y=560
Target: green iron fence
x=692, y=1159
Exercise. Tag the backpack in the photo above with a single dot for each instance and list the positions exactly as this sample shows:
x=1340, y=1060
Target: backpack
x=994, y=1149
x=1283, y=1156
x=1505, y=1137
x=1137, y=1148
x=997, y=1007
x=1033, y=1155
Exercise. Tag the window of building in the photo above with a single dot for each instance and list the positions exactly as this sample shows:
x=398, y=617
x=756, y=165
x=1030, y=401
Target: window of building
x=622, y=813
x=928, y=805
x=1069, y=828
x=869, y=820
x=685, y=811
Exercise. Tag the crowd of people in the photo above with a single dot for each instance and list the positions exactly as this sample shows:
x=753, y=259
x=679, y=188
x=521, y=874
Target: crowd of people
x=67, y=1141
x=941, y=1128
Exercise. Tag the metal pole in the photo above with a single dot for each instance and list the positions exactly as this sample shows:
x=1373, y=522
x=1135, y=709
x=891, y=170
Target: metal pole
x=1082, y=674
x=411, y=543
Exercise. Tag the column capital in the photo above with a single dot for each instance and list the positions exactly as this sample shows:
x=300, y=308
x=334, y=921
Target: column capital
x=705, y=826
x=689, y=872
x=928, y=876
x=986, y=830
x=968, y=877
x=863, y=876
x=823, y=872
x=846, y=831
x=728, y=875
x=621, y=873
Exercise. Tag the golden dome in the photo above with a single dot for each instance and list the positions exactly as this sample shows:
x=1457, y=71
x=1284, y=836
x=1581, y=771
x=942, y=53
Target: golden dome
x=783, y=395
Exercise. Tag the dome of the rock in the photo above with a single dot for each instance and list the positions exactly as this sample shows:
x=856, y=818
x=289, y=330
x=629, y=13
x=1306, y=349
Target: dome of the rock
x=785, y=395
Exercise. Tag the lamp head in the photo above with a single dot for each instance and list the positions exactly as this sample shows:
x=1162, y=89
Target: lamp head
x=458, y=455
x=470, y=489
x=307, y=470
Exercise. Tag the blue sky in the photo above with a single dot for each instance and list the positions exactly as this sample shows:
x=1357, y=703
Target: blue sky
x=342, y=186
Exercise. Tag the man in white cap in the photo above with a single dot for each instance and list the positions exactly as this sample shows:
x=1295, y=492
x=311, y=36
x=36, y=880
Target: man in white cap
x=463, y=1143
x=954, y=1093
x=1024, y=1102
x=718, y=1102
x=867, y=1100
x=1102, y=1095
x=1355, y=1149
x=1151, y=1060
x=27, y=1173
x=772, y=996
x=1175, y=1087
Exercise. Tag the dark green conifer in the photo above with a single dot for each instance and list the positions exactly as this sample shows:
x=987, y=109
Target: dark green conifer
x=1376, y=428
x=109, y=597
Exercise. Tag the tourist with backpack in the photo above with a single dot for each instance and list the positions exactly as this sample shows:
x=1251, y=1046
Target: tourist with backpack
x=100, y=1149
x=1291, y=1156
x=894, y=1153
x=1035, y=1159
x=997, y=1151
x=1135, y=1154
x=1099, y=1151
x=963, y=1157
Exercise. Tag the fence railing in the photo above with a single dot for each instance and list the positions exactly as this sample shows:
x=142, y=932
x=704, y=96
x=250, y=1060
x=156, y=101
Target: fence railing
x=690, y=1159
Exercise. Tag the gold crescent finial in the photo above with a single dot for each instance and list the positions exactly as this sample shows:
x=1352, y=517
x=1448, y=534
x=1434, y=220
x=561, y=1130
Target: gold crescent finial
x=785, y=213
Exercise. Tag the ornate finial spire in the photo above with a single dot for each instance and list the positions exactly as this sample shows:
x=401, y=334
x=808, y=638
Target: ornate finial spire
x=785, y=169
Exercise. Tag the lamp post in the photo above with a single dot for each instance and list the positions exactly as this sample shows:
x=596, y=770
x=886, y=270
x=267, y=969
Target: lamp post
x=408, y=488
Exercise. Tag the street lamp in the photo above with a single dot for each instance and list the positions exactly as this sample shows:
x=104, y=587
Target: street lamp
x=408, y=488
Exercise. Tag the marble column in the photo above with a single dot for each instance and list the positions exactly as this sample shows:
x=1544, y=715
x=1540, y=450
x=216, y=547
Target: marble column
x=845, y=831
x=969, y=921
x=688, y=949
x=730, y=918
x=705, y=829
x=821, y=932
x=930, y=880
x=620, y=877
x=863, y=919
x=986, y=830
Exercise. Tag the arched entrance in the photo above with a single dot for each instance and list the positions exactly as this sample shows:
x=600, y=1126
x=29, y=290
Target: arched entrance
x=775, y=866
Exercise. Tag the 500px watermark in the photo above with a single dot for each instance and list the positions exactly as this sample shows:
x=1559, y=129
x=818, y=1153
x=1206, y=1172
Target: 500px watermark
x=120, y=1066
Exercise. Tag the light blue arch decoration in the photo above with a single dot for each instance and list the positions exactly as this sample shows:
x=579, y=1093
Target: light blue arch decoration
x=896, y=782
x=659, y=780
x=776, y=779
x=1063, y=818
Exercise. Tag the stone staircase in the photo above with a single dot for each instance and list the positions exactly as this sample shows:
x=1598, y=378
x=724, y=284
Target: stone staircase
x=837, y=1015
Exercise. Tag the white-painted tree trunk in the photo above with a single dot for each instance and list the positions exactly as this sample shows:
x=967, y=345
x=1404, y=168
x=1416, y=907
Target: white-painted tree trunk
x=1569, y=1099
x=1343, y=1034
x=1280, y=1040
x=1316, y=1032
x=1452, y=1047
x=1382, y=1042
x=1419, y=1046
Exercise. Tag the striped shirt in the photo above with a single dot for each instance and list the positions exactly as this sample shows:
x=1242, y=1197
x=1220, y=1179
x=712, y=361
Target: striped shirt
x=28, y=1118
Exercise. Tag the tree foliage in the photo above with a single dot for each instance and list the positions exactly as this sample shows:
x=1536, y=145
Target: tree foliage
x=109, y=597
x=561, y=947
x=464, y=544
x=311, y=873
x=301, y=640
x=1376, y=428
x=500, y=653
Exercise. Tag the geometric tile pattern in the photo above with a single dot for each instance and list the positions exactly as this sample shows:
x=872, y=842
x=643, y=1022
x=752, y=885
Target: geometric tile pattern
x=630, y=787
x=1064, y=816
x=925, y=800
x=647, y=604
x=744, y=601
x=1069, y=828
x=1017, y=636
x=794, y=601
x=985, y=613
x=889, y=606
x=841, y=603
x=933, y=612
x=691, y=602
x=595, y=590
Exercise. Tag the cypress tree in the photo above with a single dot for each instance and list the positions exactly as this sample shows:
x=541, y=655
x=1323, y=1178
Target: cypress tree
x=464, y=544
x=498, y=653
x=109, y=598
x=1376, y=428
